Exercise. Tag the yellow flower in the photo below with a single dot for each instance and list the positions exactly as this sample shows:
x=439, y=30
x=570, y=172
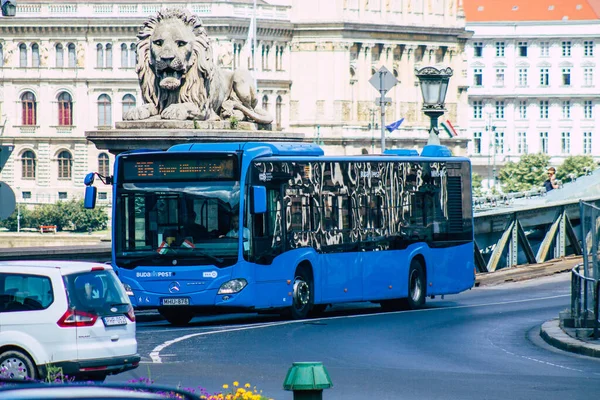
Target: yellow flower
x=247, y=385
x=236, y=383
x=225, y=386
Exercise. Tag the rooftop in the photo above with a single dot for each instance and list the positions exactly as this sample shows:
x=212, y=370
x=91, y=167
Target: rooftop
x=531, y=10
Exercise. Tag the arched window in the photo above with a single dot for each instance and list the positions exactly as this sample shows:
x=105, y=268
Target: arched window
x=65, y=109
x=132, y=55
x=28, y=108
x=103, y=164
x=99, y=56
x=72, y=55
x=1, y=57
x=60, y=56
x=35, y=55
x=28, y=165
x=108, y=56
x=128, y=103
x=22, y=55
x=124, y=56
x=278, y=106
x=265, y=103
x=104, y=110
x=65, y=161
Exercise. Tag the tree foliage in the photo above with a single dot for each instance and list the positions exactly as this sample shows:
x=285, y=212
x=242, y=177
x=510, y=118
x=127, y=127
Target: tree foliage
x=477, y=184
x=574, y=167
x=66, y=215
x=527, y=173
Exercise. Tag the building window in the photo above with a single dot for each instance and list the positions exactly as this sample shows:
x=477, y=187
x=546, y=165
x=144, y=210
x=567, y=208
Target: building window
x=62, y=195
x=35, y=55
x=478, y=49
x=26, y=195
x=588, y=77
x=104, y=111
x=499, y=76
x=544, y=76
x=588, y=109
x=500, y=110
x=28, y=108
x=477, y=77
x=566, y=49
x=522, y=142
x=565, y=142
x=544, y=142
x=265, y=57
x=265, y=103
x=279, y=58
x=523, y=109
x=544, y=49
x=103, y=164
x=522, y=76
x=478, y=109
x=477, y=142
x=132, y=55
x=566, y=76
x=65, y=162
x=28, y=163
x=1, y=56
x=499, y=49
x=99, y=56
x=108, y=55
x=278, y=107
x=72, y=55
x=499, y=142
x=65, y=109
x=251, y=57
x=103, y=196
x=60, y=56
x=566, y=109
x=237, y=49
x=124, y=56
x=588, y=48
x=22, y=55
x=587, y=142
x=128, y=103
x=544, y=109
x=522, y=49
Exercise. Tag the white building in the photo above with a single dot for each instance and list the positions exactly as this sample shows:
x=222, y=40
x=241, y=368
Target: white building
x=67, y=67
x=533, y=84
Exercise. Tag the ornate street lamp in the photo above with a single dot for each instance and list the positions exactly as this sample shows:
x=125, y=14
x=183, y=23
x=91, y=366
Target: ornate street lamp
x=9, y=8
x=434, y=85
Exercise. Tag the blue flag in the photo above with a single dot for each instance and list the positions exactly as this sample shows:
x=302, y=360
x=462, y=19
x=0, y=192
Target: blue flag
x=394, y=125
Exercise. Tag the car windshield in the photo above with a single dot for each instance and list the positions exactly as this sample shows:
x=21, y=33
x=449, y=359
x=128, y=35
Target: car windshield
x=95, y=291
x=177, y=223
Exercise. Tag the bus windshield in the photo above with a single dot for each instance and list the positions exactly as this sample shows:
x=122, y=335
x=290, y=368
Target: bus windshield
x=177, y=223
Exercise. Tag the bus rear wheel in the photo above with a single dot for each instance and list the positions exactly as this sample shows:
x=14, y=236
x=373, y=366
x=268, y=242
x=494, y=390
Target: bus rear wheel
x=177, y=315
x=302, y=294
x=416, y=291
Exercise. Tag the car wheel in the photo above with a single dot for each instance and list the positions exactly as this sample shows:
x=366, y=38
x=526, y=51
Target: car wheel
x=15, y=364
x=302, y=294
x=176, y=315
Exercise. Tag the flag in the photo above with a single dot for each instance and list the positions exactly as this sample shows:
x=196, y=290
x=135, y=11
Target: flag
x=394, y=125
x=449, y=128
x=163, y=248
x=187, y=244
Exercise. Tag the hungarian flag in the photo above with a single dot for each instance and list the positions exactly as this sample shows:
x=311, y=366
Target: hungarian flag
x=187, y=244
x=163, y=248
x=449, y=128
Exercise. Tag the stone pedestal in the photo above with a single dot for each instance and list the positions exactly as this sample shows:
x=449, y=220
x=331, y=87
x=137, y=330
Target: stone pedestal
x=162, y=134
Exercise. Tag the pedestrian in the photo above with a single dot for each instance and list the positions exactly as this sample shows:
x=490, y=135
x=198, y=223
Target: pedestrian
x=551, y=183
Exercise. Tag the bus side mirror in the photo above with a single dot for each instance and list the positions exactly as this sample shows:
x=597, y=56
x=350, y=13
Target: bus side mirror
x=89, y=179
x=89, y=200
x=258, y=199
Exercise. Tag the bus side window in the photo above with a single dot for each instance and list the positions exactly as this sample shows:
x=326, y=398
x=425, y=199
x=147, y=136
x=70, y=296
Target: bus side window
x=267, y=228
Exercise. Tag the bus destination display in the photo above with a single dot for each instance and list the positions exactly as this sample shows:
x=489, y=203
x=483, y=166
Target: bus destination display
x=178, y=169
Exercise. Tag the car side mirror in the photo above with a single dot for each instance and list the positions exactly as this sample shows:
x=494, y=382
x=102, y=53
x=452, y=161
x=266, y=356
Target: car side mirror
x=258, y=200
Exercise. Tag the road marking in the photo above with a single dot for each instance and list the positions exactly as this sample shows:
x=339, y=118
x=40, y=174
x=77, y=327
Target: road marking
x=155, y=353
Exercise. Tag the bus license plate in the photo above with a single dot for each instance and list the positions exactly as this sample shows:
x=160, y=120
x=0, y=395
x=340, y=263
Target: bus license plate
x=175, y=301
x=115, y=320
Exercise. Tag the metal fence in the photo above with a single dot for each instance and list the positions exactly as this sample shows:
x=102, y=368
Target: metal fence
x=585, y=279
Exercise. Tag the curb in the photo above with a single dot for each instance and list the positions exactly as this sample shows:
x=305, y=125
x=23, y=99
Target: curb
x=553, y=334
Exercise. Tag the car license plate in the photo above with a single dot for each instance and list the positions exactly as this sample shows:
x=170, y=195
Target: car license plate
x=115, y=320
x=175, y=301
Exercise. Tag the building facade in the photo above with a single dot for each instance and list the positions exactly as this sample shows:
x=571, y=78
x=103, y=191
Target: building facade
x=69, y=67
x=533, y=84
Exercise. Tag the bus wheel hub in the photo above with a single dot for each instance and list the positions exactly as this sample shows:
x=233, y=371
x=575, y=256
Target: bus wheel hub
x=301, y=293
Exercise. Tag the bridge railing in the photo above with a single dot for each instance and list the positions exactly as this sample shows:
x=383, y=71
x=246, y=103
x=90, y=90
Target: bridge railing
x=504, y=199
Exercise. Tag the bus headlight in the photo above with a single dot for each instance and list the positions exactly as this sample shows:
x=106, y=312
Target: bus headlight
x=232, y=286
x=128, y=289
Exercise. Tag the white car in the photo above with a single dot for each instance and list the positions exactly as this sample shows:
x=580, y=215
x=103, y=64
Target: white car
x=64, y=314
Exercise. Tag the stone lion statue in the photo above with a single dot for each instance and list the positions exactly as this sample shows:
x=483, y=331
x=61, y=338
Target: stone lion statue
x=179, y=78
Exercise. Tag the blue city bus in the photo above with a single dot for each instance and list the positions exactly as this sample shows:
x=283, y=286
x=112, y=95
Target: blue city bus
x=279, y=227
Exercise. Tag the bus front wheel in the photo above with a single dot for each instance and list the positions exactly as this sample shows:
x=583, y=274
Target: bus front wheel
x=302, y=294
x=177, y=315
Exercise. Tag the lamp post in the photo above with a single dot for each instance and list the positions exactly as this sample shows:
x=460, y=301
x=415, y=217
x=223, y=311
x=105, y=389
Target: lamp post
x=434, y=85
